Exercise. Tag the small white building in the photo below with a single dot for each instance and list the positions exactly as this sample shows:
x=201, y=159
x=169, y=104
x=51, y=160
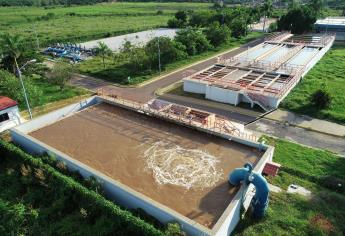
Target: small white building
x=334, y=25
x=9, y=113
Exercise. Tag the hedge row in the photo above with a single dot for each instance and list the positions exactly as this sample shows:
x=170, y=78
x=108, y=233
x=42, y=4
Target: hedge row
x=123, y=222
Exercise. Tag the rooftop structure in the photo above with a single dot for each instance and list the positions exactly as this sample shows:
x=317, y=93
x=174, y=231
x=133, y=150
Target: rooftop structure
x=6, y=102
x=9, y=113
x=334, y=25
x=261, y=75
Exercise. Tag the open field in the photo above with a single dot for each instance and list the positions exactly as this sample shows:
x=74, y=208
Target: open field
x=81, y=23
x=328, y=73
x=288, y=214
x=117, y=72
x=37, y=199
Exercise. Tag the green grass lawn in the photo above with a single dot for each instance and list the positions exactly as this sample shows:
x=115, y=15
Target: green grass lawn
x=116, y=71
x=80, y=23
x=290, y=214
x=51, y=98
x=53, y=93
x=329, y=73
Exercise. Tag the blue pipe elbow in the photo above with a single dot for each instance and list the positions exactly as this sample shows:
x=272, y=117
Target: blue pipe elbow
x=260, y=199
x=239, y=174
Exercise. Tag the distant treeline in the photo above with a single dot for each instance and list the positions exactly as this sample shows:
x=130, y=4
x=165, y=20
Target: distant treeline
x=43, y=3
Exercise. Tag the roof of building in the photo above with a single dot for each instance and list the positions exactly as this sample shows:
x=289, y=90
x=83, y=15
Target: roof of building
x=338, y=21
x=6, y=102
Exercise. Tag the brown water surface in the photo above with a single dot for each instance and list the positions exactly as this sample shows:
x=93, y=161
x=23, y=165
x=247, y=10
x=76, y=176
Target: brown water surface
x=113, y=140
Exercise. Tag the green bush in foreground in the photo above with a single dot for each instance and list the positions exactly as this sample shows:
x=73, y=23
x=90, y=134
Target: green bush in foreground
x=35, y=199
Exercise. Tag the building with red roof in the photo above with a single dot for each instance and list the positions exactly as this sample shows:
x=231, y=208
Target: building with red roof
x=9, y=113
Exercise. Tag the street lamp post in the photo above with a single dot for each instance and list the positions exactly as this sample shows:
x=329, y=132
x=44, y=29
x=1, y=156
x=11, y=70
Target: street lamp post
x=22, y=83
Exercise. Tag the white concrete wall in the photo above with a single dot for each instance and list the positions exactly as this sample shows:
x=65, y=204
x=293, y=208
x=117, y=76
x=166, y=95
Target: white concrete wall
x=194, y=86
x=222, y=95
x=54, y=116
x=14, y=118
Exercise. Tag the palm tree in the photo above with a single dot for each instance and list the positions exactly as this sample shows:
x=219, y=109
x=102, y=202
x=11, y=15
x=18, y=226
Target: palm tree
x=103, y=50
x=11, y=46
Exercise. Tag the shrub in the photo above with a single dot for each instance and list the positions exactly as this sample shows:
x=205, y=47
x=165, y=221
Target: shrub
x=273, y=27
x=321, y=99
x=63, y=195
x=175, y=23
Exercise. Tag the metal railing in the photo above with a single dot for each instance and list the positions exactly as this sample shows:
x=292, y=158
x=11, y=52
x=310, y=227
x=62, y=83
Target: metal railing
x=207, y=126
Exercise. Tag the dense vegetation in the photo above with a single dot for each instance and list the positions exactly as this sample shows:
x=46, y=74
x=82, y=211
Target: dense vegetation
x=235, y=18
x=37, y=198
x=328, y=74
x=82, y=23
x=201, y=31
x=291, y=214
x=141, y=63
x=39, y=3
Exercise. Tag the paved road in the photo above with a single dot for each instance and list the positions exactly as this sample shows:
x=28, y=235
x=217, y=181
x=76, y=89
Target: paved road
x=146, y=92
x=299, y=135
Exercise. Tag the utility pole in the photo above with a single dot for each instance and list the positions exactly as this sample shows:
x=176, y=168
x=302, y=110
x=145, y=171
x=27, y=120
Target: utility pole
x=159, y=57
x=22, y=83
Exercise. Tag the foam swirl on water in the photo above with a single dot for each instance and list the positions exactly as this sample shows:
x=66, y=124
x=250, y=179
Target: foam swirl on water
x=189, y=168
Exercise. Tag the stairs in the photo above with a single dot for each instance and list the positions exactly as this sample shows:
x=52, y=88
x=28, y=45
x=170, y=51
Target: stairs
x=260, y=100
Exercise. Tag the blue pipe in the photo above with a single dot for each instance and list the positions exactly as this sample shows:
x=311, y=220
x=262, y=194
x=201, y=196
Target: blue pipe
x=260, y=199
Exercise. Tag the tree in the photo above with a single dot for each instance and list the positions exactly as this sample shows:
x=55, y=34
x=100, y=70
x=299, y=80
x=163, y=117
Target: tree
x=217, y=34
x=169, y=51
x=61, y=74
x=321, y=99
x=298, y=20
x=316, y=6
x=104, y=51
x=200, y=19
x=238, y=27
x=11, y=47
x=11, y=87
x=181, y=15
x=194, y=40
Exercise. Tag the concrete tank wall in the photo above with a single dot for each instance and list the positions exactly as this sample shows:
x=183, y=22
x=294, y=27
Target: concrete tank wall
x=123, y=195
x=194, y=86
x=222, y=95
x=119, y=193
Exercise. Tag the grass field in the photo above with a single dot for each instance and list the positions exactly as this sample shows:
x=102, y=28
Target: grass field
x=80, y=23
x=329, y=73
x=117, y=72
x=289, y=214
x=52, y=93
